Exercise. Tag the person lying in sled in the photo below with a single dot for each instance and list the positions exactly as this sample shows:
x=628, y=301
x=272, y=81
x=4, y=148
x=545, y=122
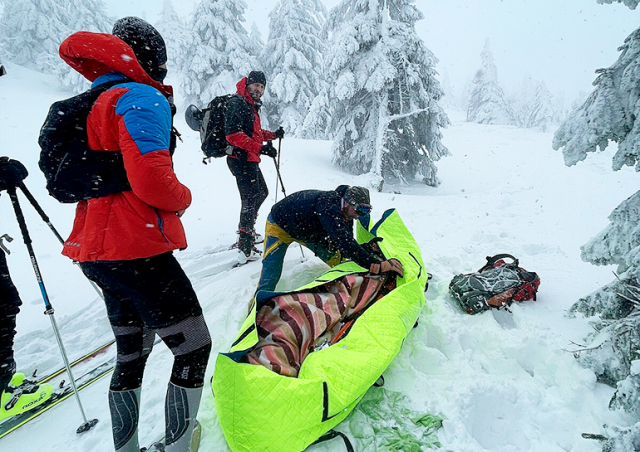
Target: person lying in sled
x=323, y=222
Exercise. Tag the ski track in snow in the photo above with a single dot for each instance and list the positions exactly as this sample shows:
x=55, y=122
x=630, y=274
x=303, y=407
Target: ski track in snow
x=505, y=381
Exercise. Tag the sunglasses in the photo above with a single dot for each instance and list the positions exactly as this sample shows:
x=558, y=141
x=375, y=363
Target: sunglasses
x=362, y=209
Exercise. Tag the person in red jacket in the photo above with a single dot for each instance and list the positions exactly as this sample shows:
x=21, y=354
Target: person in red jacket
x=245, y=133
x=124, y=241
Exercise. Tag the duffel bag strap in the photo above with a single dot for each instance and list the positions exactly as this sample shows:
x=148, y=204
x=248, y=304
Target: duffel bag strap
x=331, y=434
x=492, y=260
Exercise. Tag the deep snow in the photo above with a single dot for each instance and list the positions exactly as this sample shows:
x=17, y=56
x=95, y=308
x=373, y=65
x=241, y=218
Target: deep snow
x=505, y=381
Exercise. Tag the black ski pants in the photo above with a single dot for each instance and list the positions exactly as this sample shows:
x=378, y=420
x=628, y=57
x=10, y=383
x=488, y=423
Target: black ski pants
x=9, y=308
x=150, y=296
x=252, y=187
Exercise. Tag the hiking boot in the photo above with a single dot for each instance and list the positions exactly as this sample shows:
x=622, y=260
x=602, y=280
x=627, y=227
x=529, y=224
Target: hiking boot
x=254, y=255
x=22, y=395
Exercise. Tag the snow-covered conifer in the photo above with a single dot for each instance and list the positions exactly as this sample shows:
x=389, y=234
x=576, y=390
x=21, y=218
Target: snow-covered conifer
x=293, y=60
x=31, y=32
x=632, y=4
x=533, y=106
x=487, y=104
x=176, y=36
x=449, y=99
x=316, y=123
x=219, y=54
x=609, y=113
x=383, y=92
x=256, y=43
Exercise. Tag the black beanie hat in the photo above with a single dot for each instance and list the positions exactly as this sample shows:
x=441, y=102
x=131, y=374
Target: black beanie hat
x=357, y=196
x=256, y=77
x=146, y=42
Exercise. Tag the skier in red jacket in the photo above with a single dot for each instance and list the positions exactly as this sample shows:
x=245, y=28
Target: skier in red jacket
x=124, y=241
x=244, y=132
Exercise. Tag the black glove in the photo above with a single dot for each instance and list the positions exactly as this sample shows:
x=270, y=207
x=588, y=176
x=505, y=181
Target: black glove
x=269, y=150
x=12, y=173
x=372, y=246
x=279, y=133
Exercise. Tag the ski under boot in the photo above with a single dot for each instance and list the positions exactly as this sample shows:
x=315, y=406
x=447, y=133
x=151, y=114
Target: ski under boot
x=22, y=395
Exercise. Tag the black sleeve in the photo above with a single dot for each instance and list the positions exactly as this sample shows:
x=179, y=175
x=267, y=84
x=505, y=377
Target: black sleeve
x=341, y=234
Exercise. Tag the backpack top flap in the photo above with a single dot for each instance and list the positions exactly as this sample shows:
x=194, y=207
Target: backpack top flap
x=72, y=170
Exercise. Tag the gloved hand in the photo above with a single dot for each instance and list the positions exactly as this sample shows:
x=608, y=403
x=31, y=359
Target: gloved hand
x=269, y=150
x=280, y=132
x=390, y=265
x=372, y=246
x=12, y=173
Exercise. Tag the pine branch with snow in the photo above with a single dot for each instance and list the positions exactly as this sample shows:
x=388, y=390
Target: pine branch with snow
x=609, y=114
x=632, y=4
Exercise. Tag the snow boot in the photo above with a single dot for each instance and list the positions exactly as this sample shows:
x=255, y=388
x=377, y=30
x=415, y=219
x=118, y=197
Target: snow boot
x=125, y=412
x=181, y=408
x=22, y=395
x=246, y=245
x=195, y=441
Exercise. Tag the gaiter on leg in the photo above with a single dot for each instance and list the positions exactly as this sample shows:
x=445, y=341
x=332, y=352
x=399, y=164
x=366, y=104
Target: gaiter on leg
x=181, y=408
x=125, y=412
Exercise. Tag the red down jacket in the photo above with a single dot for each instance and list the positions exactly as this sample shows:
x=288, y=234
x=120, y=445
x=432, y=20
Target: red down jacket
x=242, y=124
x=134, y=118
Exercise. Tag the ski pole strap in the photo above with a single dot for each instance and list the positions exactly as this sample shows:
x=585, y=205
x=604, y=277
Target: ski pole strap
x=331, y=434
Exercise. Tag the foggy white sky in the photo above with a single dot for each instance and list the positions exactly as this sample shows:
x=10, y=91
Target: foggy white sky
x=559, y=41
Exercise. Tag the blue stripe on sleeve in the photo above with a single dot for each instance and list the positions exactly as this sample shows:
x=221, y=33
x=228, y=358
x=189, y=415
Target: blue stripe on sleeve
x=147, y=116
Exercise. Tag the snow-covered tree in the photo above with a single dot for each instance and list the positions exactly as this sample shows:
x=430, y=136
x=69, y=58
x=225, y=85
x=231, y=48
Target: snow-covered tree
x=533, y=106
x=383, y=92
x=487, y=104
x=449, y=99
x=610, y=114
x=220, y=53
x=316, y=123
x=293, y=60
x=632, y=4
x=176, y=36
x=256, y=43
x=31, y=32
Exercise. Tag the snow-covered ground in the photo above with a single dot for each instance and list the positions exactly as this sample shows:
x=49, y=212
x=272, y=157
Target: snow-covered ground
x=506, y=381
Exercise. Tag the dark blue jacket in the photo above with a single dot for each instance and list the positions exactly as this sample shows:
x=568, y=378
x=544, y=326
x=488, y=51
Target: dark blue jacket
x=315, y=217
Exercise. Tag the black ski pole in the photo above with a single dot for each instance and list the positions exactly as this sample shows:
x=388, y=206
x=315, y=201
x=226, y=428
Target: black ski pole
x=277, y=165
x=49, y=308
x=46, y=219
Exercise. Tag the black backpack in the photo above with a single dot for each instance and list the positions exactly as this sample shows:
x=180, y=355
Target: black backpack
x=72, y=170
x=212, y=136
x=495, y=285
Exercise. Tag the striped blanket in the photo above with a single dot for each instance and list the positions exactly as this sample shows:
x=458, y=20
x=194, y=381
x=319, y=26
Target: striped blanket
x=290, y=325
